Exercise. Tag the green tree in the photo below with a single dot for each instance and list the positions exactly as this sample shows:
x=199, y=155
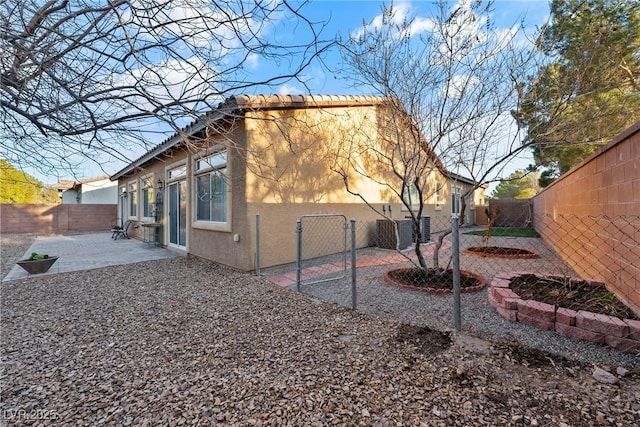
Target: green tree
x=50, y=195
x=548, y=176
x=590, y=90
x=18, y=187
x=521, y=184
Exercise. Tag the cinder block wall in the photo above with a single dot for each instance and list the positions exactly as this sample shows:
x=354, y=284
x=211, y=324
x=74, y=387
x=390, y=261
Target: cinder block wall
x=511, y=212
x=481, y=215
x=591, y=216
x=48, y=219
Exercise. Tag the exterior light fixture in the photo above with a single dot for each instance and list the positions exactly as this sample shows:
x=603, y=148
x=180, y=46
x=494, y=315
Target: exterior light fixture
x=160, y=185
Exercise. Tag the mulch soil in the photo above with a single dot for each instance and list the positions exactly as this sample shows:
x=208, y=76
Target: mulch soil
x=572, y=294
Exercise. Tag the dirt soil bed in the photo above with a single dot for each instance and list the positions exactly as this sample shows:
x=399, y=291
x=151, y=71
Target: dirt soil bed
x=499, y=251
x=572, y=294
x=432, y=281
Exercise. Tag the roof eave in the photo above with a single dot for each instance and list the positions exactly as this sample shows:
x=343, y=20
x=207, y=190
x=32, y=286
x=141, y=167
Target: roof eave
x=158, y=150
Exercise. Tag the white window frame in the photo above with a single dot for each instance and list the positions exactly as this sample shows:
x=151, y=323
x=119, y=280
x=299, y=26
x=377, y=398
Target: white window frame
x=208, y=164
x=147, y=202
x=177, y=171
x=456, y=199
x=132, y=200
x=412, y=193
x=438, y=196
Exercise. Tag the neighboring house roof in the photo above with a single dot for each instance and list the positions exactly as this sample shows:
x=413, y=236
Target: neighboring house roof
x=79, y=183
x=67, y=184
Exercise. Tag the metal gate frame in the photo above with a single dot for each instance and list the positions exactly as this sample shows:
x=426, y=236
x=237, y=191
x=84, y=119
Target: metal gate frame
x=299, y=229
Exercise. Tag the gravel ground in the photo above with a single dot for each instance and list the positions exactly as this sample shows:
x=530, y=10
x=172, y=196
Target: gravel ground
x=184, y=341
x=12, y=248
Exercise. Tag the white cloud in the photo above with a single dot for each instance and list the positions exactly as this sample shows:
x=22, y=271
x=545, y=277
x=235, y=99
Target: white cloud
x=421, y=25
x=291, y=89
x=399, y=13
x=252, y=61
x=459, y=85
x=165, y=82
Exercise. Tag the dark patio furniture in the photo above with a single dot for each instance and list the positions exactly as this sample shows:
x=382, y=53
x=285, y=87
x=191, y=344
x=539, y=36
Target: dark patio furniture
x=117, y=231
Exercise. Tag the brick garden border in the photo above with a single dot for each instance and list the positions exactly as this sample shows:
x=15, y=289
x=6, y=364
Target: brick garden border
x=621, y=334
x=436, y=291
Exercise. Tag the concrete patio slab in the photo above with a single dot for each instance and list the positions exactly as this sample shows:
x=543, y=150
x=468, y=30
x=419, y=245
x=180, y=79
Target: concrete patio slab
x=88, y=251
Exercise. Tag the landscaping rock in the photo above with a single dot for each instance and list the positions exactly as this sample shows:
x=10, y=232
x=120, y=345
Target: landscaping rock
x=186, y=342
x=604, y=377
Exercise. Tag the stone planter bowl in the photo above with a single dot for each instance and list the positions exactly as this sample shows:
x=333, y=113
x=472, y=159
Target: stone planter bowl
x=37, y=266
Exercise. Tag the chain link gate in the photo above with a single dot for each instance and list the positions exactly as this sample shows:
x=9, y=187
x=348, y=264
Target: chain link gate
x=321, y=253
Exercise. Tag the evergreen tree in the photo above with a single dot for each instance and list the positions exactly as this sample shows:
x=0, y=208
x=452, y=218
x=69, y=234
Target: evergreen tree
x=590, y=92
x=521, y=184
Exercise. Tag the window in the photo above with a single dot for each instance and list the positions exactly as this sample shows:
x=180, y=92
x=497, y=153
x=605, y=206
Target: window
x=455, y=200
x=211, y=188
x=411, y=196
x=147, y=198
x=133, y=199
x=179, y=172
x=438, y=196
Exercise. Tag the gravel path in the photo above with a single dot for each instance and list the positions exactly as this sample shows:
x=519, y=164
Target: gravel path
x=183, y=341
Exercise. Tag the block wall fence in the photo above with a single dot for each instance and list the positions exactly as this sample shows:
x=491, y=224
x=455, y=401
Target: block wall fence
x=51, y=219
x=591, y=216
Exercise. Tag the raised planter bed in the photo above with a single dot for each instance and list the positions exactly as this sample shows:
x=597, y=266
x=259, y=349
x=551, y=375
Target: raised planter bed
x=500, y=252
x=621, y=334
x=405, y=278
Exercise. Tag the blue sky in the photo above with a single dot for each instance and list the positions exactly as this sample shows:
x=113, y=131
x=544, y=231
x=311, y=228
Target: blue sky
x=347, y=17
x=344, y=18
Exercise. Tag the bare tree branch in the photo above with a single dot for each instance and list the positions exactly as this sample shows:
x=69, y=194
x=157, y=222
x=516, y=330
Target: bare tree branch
x=81, y=79
x=455, y=77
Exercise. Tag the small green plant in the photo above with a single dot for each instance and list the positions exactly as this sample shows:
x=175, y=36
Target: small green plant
x=35, y=255
x=507, y=232
x=609, y=298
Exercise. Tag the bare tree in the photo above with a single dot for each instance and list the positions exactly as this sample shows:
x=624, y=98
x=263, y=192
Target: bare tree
x=454, y=78
x=81, y=79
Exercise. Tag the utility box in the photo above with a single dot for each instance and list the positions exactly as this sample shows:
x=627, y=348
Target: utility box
x=386, y=234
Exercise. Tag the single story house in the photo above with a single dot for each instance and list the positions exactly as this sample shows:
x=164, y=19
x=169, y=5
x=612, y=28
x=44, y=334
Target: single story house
x=97, y=191
x=281, y=157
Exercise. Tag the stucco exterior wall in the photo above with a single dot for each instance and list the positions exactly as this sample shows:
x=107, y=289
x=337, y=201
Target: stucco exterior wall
x=153, y=171
x=216, y=245
x=99, y=192
x=278, y=229
x=230, y=247
x=591, y=216
x=70, y=197
x=96, y=192
x=282, y=163
x=293, y=155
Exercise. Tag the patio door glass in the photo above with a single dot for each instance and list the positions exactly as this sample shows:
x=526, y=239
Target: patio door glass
x=177, y=210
